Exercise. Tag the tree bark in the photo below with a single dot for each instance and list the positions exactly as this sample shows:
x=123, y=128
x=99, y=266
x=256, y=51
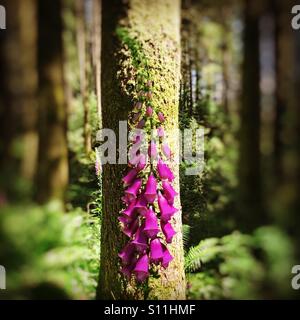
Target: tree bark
x=82, y=57
x=155, y=25
x=52, y=177
x=18, y=84
x=250, y=213
x=97, y=23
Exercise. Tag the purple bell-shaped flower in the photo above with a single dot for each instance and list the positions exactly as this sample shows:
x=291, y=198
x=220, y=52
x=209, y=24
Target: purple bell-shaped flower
x=127, y=254
x=169, y=192
x=130, y=229
x=168, y=231
x=161, y=117
x=141, y=205
x=141, y=269
x=141, y=124
x=151, y=224
x=149, y=111
x=142, y=162
x=166, y=150
x=160, y=132
x=131, y=175
x=152, y=151
x=129, y=212
x=167, y=258
x=151, y=187
x=134, y=159
x=128, y=269
x=166, y=210
x=133, y=190
x=140, y=241
x=164, y=171
x=156, y=251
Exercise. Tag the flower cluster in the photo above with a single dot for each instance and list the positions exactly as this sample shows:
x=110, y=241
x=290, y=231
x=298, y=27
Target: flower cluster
x=148, y=196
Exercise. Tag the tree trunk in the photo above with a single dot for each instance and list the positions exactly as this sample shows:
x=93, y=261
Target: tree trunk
x=249, y=162
x=155, y=25
x=97, y=17
x=18, y=105
x=52, y=175
x=287, y=124
x=82, y=57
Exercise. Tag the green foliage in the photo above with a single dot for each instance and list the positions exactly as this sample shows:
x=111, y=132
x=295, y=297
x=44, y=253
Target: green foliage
x=239, y=266
x=49, y=254
x=209, y=196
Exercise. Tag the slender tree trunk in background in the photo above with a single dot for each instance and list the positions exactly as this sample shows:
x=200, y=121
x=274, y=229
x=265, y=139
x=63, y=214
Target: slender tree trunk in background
x=155, y=24
x=284, y=77
x=287, y=123
x=18, y=105
x=82, y=56
x=225, y=65
x=295, y=167
x=190, y=66
x=250, y=213
x=97, y=23
x=52, y=177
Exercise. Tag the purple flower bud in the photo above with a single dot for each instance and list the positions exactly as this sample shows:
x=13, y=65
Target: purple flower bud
x=128, y=269
x=167, y=258
x=151, y=224
x=142, y=162
x=164, y=171
x=130, y=229
x=136, y=117
x=129, y=212
x=140, y=240
x=127, y=254
x=166, y=150
x=168, y=231
x=160, y=132
x=149, y=111
x=141, y=124
x=141, y=205
x=125, y=200
x=161, y=117
x=151, y=187
x=152, y=151
x=131, y=175
x=132, y=191
x=138, y=105
x=156, y=251
x=169, y=192
x=149, y=94
x=98, y=167
x=166, y=210
x=141, y=269
x=149, y=83
x=134, y=160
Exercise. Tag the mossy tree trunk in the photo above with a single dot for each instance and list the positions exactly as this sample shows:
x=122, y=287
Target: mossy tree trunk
x=155, y=26
x=52, y=176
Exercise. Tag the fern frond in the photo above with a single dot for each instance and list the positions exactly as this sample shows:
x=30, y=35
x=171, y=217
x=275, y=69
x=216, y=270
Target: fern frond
x=204, y=252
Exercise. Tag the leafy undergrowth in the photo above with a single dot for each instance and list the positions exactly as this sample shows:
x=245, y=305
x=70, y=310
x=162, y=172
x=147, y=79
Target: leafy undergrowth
x=240, y=266
x=49, y=254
